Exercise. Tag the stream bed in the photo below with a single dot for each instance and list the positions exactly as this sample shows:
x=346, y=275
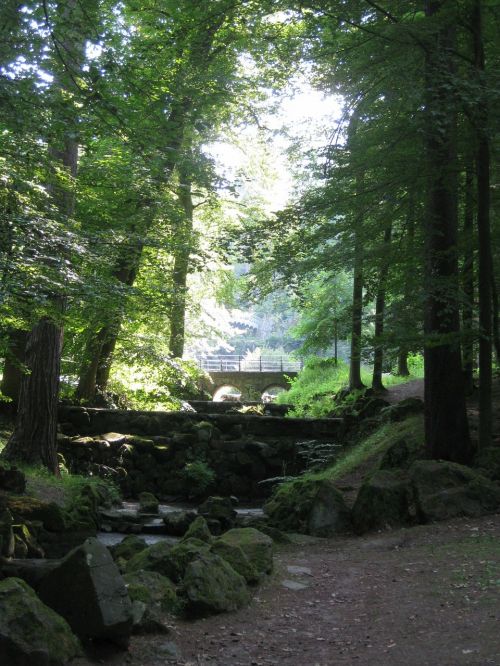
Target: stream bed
x=153, y=526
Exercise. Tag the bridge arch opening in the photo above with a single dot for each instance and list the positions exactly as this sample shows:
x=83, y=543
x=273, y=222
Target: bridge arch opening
x=227, y=393
x=270, y=393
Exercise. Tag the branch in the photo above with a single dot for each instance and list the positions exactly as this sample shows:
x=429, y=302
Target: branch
x=380, y=9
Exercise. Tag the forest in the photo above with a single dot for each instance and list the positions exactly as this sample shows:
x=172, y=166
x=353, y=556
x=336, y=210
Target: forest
x=116, y=217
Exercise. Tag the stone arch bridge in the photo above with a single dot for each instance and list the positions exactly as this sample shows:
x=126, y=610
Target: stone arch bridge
x=251, y=378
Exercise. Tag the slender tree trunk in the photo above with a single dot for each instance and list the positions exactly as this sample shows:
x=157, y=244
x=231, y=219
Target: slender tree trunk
x=355, y=381
x=34, y=436
x=484, y=241
x=181, y=267
x=378, y=359
x=357, y=316
x=446, y=426
x=407, y=314
x=468, y=280
x=13, y=366
x=101, y=344
x=495, y=306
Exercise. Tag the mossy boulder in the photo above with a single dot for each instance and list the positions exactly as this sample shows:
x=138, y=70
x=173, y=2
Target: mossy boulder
x=211, y=586
x=151, y=558
x=309, y=506
x=30, y=632
x=488, y=462
x=12, y=480
x=218, y=508
x=401, y=410
x=151, y=588
x=179, y=557
x=402, y=454
x=86, y=588
x=148, y=503
x=383, y=501
x=444, y=490
x=127, y=548
x=170, y=561
x=199, y=530
x=177, y=522
x=235, y=556
x=257, y=547
x=152, y=596
x=24, y=508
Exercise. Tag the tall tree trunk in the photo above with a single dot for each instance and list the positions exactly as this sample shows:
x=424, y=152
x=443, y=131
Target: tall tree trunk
x=446, y=426
x=484, y=239
x=181, y=267
x=34, y=436
x=100, y=347
x=355, y=381
x=405, y=315
x=13, y=366
x=495, y=306
x=378, y=358
x=468, y=280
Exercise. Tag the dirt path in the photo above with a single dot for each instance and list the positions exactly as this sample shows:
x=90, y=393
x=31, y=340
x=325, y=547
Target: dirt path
x=424, y=596
x=413, y=389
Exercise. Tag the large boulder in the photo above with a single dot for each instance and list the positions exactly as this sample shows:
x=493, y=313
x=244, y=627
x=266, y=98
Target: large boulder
x=488, y=462
x=151, y=558
x=198, y=530
x=383, y=501
x=403, y=453
x=25, y=508
x=235, y=556
x=220, y=509
x=444, y=490
x=211, y=585
x=401, y=410
x=89, y=592
x=128, y=547
x=12, y=480
x=30, y=632
x=257, y=547
x=152, y=596
x=311, y=506
x=177, y=522
x=179, y=556
x=148, y=503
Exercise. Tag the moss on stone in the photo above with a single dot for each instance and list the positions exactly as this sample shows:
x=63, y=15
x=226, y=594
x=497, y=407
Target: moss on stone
x=383, y=501
x=211, y=585
x=29, y=630
x=257, y=547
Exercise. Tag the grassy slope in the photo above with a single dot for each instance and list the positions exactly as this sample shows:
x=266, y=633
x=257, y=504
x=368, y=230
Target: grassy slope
x=311, y=393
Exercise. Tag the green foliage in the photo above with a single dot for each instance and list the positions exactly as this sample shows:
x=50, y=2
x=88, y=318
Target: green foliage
x=313, y=391
x=367, y=452
x=198, y=476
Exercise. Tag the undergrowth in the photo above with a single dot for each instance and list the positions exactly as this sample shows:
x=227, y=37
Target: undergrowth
x=311, y=393
x=369, y=449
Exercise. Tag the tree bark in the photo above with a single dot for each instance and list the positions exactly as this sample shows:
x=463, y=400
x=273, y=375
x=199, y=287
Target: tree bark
x=181, y=267
x=468, y=280
x=378, y=358
x=355, y=381
x=484, y=239
x=446, y=426
x=34, y=436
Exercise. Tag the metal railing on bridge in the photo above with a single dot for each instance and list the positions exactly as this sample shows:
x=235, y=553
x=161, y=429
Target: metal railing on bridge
x=234, y=363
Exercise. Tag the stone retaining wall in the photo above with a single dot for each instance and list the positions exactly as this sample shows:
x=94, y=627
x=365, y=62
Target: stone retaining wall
x=155, y=451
